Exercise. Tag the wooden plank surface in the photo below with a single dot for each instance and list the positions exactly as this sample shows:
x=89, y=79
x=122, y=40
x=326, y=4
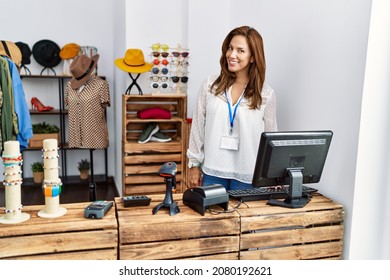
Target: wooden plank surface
x=329, y=250
x=179, y=248
x=66, y=234
x=312, y=232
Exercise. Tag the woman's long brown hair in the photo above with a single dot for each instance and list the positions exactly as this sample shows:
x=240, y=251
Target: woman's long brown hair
x=256, y=69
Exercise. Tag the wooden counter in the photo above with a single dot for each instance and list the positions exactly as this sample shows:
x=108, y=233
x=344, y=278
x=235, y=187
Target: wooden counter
x=185, y=235
x=312, y=232
x=68, y=237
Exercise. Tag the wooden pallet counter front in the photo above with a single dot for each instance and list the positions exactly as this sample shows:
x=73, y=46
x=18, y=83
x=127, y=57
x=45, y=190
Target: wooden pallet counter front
x=312, y=232
x=186, y=235
x=70, y=237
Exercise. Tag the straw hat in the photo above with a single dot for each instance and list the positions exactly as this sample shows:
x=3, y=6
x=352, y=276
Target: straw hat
x=11, y=50
x=81, y=69
x=70, y=50
x=46, y=53
x=133, y=62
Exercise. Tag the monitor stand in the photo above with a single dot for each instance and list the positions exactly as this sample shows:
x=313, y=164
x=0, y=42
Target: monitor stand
x=295, y=198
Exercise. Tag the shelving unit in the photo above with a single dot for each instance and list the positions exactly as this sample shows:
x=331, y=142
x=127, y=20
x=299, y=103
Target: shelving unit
x=61, y=112
x=141, y=162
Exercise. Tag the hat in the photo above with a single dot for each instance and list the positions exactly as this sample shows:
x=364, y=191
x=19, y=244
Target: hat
x=46, y=53
x=26, y=52
x=11, y=50
x=133, y=62
x=69, y=51
x=81, y=69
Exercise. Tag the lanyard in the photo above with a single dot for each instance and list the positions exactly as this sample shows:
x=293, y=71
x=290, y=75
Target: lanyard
x=232, y=115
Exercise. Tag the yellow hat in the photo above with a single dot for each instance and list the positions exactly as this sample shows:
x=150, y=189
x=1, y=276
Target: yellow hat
x=11, y=50
x=133, y=62
x=69, y=51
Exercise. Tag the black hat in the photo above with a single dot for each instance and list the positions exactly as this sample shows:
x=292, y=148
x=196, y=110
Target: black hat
x=46, y=53
x=26, y=52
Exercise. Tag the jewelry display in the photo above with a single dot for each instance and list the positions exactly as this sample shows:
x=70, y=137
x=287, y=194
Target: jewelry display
x=52, y=185
x=12, y=160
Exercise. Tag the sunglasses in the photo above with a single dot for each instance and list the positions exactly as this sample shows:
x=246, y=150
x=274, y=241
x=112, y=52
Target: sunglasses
x=183, y=54
x=157, y=78
x=178, y=62
x=157, y=54
x=156, y=70
x=177, y=79
x=157, y=46
x=157, y=85
x=163, y=62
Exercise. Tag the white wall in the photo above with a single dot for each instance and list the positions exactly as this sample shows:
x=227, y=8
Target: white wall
x=371, y=212
x=316, y=56
x=88, y=22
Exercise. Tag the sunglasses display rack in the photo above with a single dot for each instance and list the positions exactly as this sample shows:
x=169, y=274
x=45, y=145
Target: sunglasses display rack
x=170, y=69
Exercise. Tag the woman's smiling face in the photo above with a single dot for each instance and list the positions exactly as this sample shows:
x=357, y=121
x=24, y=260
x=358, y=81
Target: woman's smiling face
x=238, y=55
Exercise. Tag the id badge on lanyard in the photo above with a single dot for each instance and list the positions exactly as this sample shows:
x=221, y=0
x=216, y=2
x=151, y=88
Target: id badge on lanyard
x=231, y=141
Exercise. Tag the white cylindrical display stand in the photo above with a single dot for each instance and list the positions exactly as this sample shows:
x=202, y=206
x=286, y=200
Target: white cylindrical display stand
x=12, y=161
x=52, y=185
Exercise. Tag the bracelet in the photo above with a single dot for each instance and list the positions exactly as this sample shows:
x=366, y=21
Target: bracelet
x=50, y=150
x=15, y=210
x=53, y=157
x=193, y=164
x=52, y=190
x=12, y=183
x=12, y=174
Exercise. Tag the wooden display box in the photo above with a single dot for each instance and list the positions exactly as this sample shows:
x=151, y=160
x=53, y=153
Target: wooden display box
x=186, y=235
x=142, y=162
x=312, y=232
x=70, y=237
x=37, y=140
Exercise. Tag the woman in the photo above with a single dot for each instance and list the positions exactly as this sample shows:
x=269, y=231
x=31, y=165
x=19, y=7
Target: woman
x=231, y=112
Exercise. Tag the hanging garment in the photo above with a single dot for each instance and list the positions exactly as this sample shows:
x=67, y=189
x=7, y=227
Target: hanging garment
x=21, y=116
x=86, y=111
x=15, y=116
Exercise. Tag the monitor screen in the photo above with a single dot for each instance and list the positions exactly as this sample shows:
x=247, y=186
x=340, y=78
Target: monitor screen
x=291, y=158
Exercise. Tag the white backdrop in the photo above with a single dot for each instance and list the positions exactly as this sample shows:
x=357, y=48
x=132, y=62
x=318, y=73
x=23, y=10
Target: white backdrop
x=315, y=51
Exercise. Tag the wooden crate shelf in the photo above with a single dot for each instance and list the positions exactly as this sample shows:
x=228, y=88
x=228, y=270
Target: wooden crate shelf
x=186, y=235
x=312, y=232
x=141, y=162
x=70, y=237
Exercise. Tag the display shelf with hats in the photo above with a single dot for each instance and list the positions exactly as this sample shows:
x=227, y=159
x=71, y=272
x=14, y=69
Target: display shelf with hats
x=153, y=132
x=62, y=113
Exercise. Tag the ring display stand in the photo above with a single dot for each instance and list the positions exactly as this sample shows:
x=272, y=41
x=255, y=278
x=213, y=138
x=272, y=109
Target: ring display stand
x=52, y=185
x=168, y=171
x=134, y=83
x=12, y=160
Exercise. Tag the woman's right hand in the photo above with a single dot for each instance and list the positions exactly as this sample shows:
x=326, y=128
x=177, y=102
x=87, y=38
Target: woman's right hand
x=195, y=177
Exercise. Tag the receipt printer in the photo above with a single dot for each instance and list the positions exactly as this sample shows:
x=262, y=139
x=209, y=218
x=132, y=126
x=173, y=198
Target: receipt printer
x=201, y=197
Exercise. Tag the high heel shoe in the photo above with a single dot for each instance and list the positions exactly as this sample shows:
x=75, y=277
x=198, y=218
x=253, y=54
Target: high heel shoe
x=37, y=105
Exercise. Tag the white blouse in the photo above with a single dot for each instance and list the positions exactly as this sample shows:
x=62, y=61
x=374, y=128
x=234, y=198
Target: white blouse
x=211, y=122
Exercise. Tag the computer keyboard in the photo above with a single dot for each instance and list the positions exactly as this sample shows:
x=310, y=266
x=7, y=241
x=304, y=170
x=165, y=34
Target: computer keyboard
x=265, y=193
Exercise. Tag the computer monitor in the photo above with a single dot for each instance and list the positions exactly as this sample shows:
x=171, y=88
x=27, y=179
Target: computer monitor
x=291, y=158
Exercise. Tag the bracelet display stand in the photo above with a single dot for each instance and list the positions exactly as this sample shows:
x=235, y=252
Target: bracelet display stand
x=12, y=160
x=52, y=185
